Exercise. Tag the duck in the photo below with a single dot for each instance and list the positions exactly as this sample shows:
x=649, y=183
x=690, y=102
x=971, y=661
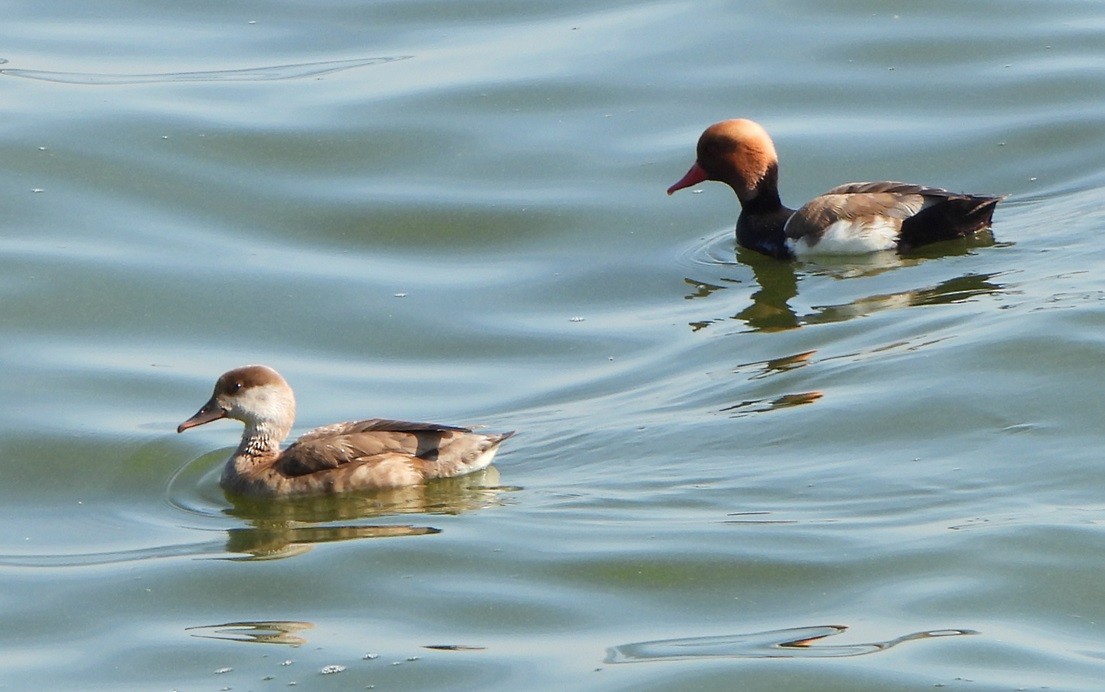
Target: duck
x=854, y=218
x=346, y=457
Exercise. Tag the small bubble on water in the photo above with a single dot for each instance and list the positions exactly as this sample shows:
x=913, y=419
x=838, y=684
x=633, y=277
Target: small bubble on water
x=577, y=318
x=399, y=295
x=331, y=669
x=370, y=657
x=287, y=662
x=222, y=671
x=36, y=190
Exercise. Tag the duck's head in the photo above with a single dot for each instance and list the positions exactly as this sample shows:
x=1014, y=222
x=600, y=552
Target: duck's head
x=738, y=153
x=256, y=395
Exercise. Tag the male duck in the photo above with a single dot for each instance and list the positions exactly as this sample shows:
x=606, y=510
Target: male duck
x=338, y=458
x=849, y=219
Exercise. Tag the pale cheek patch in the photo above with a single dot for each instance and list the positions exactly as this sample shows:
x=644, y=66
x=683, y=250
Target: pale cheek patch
x=263, y=403
x=852, y=237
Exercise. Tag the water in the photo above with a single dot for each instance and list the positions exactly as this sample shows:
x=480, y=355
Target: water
x=871, y=473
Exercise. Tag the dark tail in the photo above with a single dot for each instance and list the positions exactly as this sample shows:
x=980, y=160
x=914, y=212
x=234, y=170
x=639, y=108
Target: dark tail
x=956, y=216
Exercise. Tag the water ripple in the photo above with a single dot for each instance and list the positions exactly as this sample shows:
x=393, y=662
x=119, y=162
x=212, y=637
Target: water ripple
x=253, y=74
x=795, y=642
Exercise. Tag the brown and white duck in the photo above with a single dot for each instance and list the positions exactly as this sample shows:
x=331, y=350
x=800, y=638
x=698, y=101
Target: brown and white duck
x=338, y=458
x=849, y=219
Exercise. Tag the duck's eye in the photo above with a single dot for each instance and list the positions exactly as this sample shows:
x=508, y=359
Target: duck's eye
x=235, y=387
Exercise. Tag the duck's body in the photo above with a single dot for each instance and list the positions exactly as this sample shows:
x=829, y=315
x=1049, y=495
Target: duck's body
x=848, y=219
x=338, y=458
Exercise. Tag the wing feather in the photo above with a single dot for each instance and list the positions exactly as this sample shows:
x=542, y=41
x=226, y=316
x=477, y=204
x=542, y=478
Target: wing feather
x=340, y=444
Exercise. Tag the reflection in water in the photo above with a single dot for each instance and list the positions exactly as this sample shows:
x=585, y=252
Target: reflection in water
x=752, y=518
x=795, y=642
x=113, y=556
x=287, y=633
x=770, y=309
x=955, y=290
x=272, y=541
x=260, y=542
x=285, y=528
x=291, y=526
x=440, y=496
x=259, y=632
x=761, y=405
x=772, y=367
x=786, y=362
x=253, y=74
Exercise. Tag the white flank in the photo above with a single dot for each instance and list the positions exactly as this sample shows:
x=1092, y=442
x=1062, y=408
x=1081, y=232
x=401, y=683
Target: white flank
x=851, y=237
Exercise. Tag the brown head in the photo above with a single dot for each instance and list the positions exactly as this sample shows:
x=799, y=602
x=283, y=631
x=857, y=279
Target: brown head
x=256, y=395
x=738, y=153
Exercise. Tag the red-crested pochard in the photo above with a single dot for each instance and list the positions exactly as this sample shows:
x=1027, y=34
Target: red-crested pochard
x=338, y=458
x=849, y=219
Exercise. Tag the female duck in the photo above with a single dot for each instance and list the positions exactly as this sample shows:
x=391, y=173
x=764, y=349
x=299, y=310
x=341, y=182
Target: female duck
x=338, y=458
x=849, y=219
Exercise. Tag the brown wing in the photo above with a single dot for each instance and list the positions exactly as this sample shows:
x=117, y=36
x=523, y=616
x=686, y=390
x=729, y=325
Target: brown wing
x=856, y=202
x=376, y=425
x=892, y=187
x=337, y=445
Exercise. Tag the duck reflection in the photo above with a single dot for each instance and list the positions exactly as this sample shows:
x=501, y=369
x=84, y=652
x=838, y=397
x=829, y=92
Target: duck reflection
x=278, y=529
x=763, y=405
x=771, y=310
x=795, y=642
x=292, y=526
x=258, y=632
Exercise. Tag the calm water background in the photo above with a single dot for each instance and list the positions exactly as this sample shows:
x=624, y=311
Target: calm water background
x=456, y=212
